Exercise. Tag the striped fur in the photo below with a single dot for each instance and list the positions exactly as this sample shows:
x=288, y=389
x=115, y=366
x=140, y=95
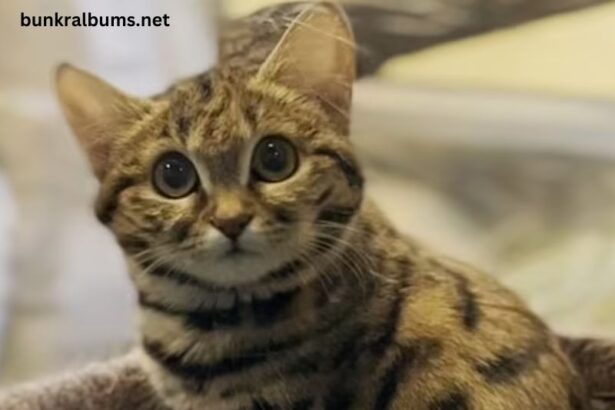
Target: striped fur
x=327, y=306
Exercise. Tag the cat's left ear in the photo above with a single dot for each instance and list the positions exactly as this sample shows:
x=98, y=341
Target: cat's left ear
x=316, y=56
x=97, y=112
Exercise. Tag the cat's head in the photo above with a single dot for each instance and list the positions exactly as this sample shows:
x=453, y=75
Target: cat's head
x=231, y=175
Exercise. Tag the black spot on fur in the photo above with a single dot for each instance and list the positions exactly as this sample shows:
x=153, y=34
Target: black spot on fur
x=339, y=399
x=391, y=380
x=336, y=215
x=576, y=403
x=324, y=197
x=148, y=303
x=350, y=350
x=182, y=231
x=262, y=404
x=183, y=125
x=286, y=271
x=269, y=310
x=510, y=365
x=181, y=278
x=215, y=319
x=132, y=244
x=331, y=227
x=108, y=200
x=180, y=366
x=205, y=319
x=284, y=215
x=265, y=312
x=386, y=338
x=413, y=355
x=304, y=404
x=349, y=169
x=468, y=306
x=453, y=401
x=205, y=86
x=250, y=112
x=304, y=366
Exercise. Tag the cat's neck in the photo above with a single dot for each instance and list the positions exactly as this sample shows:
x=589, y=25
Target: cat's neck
x=326, y=322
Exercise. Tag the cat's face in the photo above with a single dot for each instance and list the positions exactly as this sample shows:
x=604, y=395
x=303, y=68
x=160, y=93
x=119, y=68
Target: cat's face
x=231, y=176
x=233, y=184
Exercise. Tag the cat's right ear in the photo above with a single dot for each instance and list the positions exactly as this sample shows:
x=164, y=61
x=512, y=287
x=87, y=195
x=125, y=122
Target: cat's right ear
x=316, y=56
x=96, y=111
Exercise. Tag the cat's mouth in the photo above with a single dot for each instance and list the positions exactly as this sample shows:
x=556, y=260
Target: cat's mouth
x=235, y=250
x=241, y=263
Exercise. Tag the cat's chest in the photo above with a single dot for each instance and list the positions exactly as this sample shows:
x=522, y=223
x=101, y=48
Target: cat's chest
x=248, y=357
x=293, y=384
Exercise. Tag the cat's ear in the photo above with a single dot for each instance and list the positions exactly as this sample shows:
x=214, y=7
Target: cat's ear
x=316, y=56
x=96, y=111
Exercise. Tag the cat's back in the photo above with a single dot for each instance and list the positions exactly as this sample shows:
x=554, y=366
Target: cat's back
x=486, y=349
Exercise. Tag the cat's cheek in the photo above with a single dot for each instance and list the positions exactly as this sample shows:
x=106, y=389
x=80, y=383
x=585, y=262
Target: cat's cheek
x=296, y=192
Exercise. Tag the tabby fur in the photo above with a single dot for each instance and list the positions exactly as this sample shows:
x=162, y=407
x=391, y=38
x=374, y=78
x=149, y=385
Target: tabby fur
x=331, y=307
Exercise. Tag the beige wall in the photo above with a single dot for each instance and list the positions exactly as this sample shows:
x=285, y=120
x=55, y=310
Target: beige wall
x=571, y=54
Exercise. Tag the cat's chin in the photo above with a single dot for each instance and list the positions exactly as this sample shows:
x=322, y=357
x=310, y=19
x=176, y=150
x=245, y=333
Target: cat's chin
x=235, y=268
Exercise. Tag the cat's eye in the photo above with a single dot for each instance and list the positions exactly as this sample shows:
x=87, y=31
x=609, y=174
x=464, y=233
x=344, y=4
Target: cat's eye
x=274, y=159
x=174, y=175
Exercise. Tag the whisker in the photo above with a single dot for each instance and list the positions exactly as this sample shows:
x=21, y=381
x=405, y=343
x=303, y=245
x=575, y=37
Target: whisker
x=318, y=30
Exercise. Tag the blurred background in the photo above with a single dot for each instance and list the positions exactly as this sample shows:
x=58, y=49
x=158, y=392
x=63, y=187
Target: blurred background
x=496, y=147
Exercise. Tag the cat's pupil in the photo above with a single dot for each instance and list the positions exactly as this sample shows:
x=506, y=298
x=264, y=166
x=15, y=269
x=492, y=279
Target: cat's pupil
x=176, y=173
x=273, y=157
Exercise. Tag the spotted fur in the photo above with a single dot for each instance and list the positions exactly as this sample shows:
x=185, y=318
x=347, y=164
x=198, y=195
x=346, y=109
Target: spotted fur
x=329, y=307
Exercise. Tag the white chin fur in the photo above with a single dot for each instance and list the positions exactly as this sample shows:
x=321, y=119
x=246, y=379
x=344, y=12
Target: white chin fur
x=256, y=259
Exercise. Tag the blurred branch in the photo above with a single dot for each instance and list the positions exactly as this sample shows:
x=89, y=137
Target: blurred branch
x=386, y=28
x=406, y=26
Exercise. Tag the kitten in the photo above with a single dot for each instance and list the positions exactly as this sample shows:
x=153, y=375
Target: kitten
x=265, y=279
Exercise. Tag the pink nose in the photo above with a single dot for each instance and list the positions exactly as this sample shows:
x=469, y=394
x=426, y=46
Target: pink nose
x=231, y=227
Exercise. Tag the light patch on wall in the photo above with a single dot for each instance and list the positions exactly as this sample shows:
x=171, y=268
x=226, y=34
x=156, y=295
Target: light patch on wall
x=236, y=8
x=569, y=54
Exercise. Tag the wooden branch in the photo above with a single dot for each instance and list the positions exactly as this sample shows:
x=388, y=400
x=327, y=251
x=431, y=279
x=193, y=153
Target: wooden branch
x=388, y=28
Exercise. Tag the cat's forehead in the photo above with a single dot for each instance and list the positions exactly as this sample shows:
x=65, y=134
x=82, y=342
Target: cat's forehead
x=210, y=113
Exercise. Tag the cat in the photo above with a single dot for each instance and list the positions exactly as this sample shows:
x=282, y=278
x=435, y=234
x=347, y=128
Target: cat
x=247, y=41
x=265, y=279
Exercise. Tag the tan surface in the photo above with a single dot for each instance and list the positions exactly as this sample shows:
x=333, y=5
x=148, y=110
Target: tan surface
x=564, y=55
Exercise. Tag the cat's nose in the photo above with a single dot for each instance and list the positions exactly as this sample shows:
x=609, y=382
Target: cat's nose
x=231, y=226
